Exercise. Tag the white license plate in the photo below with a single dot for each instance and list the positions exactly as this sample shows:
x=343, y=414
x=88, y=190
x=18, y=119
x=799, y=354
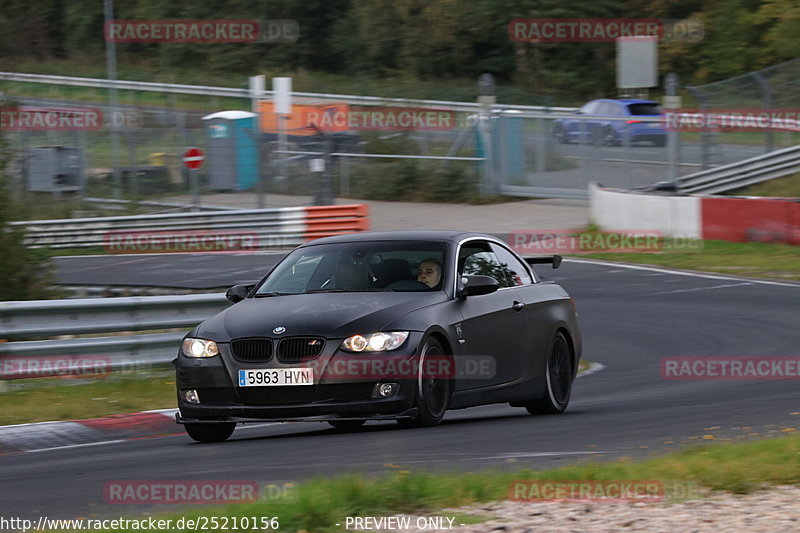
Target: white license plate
x=276, y=376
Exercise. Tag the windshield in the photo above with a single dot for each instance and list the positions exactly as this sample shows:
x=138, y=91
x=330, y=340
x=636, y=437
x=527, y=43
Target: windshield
x=362, y=266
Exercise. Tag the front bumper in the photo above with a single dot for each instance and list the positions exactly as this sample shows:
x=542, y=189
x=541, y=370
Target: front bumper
x=333, y=396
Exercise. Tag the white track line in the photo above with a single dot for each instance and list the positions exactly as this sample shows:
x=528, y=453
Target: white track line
x=681, y=272
x=74, y=446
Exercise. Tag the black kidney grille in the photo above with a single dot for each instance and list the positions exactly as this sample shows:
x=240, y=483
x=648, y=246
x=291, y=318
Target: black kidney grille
x=298, y=348
x=252, y=350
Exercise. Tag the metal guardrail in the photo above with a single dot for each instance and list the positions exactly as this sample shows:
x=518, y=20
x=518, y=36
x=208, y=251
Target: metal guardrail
x=742, y=173
x=112, y=203
x=51, y=318
x=263, y=228
x=204, y=90
x=47, y=318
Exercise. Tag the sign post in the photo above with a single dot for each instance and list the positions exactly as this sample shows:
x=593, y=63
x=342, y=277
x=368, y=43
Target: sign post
x=193, y=158
x=282, y=98
x=672, y=102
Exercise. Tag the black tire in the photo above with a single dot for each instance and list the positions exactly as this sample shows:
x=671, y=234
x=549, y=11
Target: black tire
x=560, y=133
x=660, y=141
x=432, y=393
x=558, y=379
x=610, y=137
x=210, y=432
x=347, y=425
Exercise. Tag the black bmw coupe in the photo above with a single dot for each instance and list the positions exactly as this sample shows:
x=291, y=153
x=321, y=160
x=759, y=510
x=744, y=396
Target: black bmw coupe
x=382, y=326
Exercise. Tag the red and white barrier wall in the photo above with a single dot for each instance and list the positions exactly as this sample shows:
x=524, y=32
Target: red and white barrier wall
x=698, y=217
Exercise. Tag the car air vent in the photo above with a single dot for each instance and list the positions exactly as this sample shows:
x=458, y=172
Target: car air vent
x=252, y=350
x=297, y=348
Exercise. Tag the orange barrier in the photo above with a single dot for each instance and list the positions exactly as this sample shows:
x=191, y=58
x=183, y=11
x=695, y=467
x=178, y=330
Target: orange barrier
x=329, y=220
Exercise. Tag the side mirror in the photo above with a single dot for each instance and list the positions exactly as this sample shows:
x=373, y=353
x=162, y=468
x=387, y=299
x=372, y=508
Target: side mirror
x=237, y=293
x=476, y=285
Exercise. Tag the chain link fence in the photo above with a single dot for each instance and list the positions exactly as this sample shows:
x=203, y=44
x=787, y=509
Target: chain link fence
x=775, y=88
x=432, y=152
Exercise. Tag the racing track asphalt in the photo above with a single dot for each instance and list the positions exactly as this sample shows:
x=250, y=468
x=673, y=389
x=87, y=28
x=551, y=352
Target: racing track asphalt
x=630, y=317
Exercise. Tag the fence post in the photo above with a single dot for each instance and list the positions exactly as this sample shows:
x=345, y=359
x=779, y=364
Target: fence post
x=766, y=104
x=705, y=135
x=486, y=98
x=671, y=89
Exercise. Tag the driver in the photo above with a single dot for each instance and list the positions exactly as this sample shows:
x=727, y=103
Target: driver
x=430, y=272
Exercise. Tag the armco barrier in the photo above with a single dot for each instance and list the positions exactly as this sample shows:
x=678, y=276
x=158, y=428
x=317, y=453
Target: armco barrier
x=698, y=217
x=266, y=228
x=31, y=326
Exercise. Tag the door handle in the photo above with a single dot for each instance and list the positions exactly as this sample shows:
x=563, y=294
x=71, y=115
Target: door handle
x=518, y=306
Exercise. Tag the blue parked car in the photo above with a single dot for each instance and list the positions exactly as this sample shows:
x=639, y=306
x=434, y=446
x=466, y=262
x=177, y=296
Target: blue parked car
x=600, y=122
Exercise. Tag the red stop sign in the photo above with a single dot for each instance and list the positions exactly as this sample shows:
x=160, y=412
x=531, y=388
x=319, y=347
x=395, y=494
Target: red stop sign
x=193, y=158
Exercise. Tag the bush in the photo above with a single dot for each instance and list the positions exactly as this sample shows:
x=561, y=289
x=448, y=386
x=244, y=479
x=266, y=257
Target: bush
x=25, y=274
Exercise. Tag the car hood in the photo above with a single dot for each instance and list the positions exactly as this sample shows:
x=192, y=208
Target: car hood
x=332, y=315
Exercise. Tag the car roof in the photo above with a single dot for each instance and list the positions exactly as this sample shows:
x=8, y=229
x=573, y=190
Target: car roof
x=416, y=235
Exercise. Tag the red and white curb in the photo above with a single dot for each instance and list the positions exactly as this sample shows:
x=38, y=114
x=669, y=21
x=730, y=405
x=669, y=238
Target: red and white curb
x=43, y=436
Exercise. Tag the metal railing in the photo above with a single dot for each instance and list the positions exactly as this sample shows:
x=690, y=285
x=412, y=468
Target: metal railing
x=742, y=173
x=204, y=90
x=52, y=318
x=263, y=228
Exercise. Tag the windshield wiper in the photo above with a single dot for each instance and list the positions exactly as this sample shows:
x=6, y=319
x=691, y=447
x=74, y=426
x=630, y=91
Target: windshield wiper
x=310, y=291
x=268, y=294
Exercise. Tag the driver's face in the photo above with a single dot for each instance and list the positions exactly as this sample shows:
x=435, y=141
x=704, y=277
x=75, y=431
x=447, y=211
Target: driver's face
x=429, y=274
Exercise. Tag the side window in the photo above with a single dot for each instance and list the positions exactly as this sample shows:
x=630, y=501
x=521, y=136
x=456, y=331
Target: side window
x=515, y=271
x=609, y=108
x=479, y=258
x=589, y=108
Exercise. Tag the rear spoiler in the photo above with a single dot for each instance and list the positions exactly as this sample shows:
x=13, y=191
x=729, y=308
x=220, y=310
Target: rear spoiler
x=544, y=259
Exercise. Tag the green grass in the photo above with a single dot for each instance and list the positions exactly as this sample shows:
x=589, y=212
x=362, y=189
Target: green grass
x=42, y=400
x=785, y=187
x=318, y=504
x=777, y=261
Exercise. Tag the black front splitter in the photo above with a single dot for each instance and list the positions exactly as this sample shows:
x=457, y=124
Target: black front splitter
x=405, y=415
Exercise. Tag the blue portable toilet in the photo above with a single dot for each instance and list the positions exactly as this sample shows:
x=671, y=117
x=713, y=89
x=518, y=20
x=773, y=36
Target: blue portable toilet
x=508, y=148
x=232, y=150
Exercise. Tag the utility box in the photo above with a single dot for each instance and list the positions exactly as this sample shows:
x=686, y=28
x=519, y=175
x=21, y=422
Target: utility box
x=53, y=169
x=232, y=156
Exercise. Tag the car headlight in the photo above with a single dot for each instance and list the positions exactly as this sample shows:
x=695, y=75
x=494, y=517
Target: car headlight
x=375, y=342
x=199, y=348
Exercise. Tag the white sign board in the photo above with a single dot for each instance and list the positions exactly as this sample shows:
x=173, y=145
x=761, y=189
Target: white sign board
x=282, y=94
x=637, y=62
